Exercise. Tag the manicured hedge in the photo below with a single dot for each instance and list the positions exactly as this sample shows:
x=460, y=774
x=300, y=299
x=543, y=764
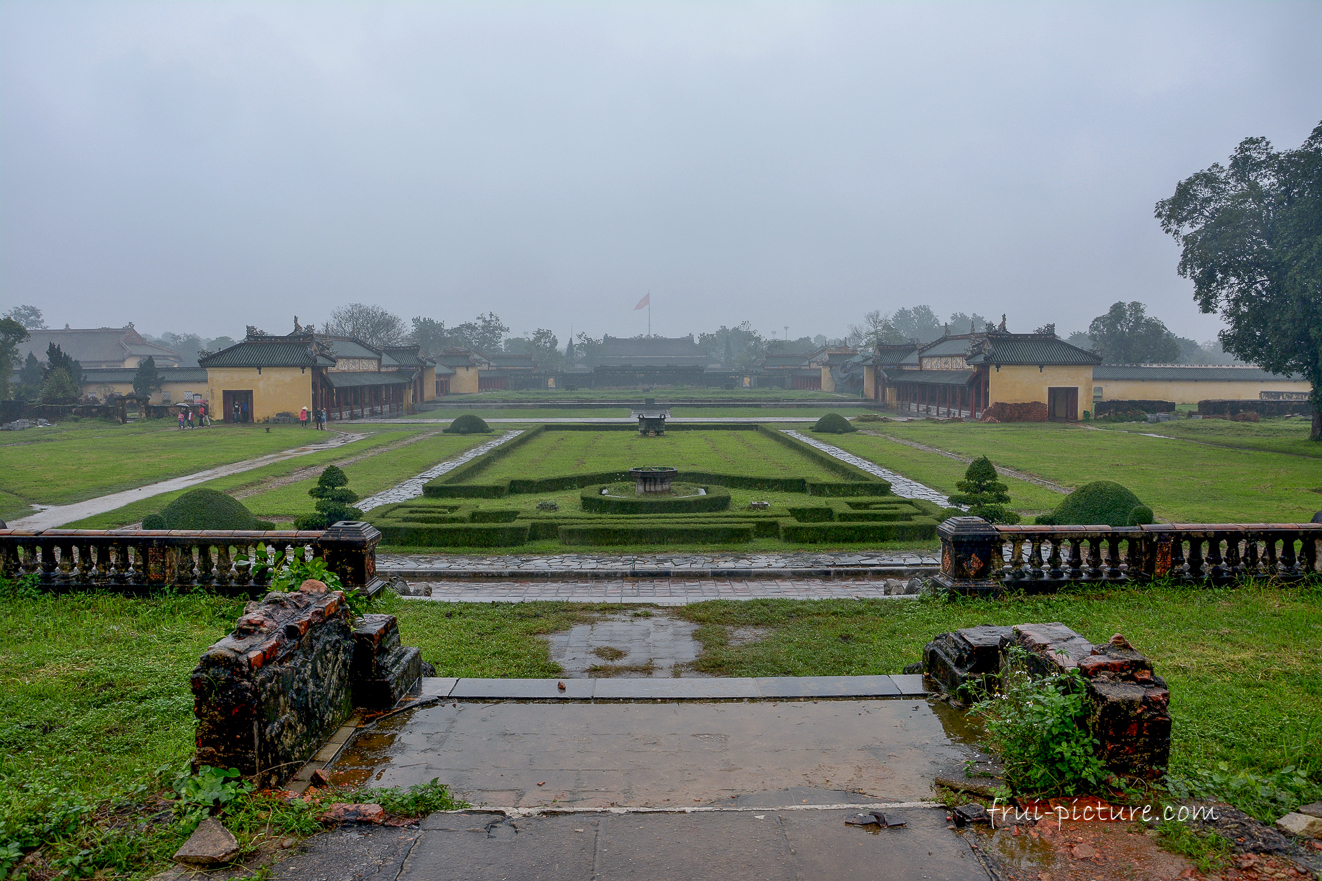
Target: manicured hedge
x=876, y=487
x=657, y=532
x=812, y=515
x=833, y=533
x=493, y=516
x=467, y=535
x=716, y=499
x=476, y=466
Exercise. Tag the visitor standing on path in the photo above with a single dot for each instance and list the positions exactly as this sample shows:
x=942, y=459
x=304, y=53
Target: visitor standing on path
x=189, y=411
x=202, y=417
x=236, y=412
x=181, y=420
x=303, y=417
x=245, y=412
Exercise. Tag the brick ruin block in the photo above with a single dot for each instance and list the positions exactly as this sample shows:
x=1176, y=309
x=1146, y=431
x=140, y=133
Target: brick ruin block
x=1128, y=704
x=384, y=671
x=266, y=696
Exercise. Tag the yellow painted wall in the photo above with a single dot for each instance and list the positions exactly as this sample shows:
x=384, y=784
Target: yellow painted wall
x=176, y=390
x=429, y=383
x=870, y=383
x=1021, y=385
x=275, y=390
x=828, y=381
x=1190, y=391
x=464, y=381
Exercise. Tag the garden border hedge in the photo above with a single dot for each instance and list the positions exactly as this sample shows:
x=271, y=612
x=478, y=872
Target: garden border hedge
x=716, y=499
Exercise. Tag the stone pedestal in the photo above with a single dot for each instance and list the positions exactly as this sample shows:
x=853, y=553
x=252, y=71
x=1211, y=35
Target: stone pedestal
x=384, y=672
x=349, y=547
x=970, y=561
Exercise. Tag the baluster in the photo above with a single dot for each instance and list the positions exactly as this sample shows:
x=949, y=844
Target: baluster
x=1234, y=568
x=1035, y=559
x=1309, y=548
x=205, y=568
x=1053, y=561
x=224, y=565
x=1113, y=557
x=64, y=565
x=1289, y=562
x=83, y=563
x=1076, y=559
x=1252, y=565
x=243, y=566
x=1196, y=558
x=1016, y=572
x=1272, y=562
x=183, y=568
x=1094, y=558
x=1215, y=570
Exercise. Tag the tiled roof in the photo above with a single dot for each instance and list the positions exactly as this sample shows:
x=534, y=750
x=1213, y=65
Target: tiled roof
x=651, y=352
x=348, y=379
x=347, y=347
x=407, y=356
x=783, y=360
x=957, y=345
x=1027, y=348
x=929, y=377
x=269, y=352
x=126, y=374
x=1189, y=373
x=107, y=346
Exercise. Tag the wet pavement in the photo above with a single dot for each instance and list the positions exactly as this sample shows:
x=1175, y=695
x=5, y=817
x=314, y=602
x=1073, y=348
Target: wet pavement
x=412, y=488
x=766, y=844
x=900, y=485
x=626, y=645
x=575, y=754
x=661, y=592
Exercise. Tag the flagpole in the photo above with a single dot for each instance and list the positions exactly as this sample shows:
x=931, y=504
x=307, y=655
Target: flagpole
x=649, y=313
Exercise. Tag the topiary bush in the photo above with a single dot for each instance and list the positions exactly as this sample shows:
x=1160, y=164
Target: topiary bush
x=833, y=423
x=468, y=423
x=205, y=509
x=153, y=521
x=1140, y=516
x=1101, y=503
x=334, y=501
x=985, y=496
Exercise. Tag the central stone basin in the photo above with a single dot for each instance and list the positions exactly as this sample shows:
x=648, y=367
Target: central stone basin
x=653, y=478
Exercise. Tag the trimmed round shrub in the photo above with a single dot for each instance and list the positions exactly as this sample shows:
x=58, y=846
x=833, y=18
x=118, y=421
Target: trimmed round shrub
x=207, y=509
x=833, y=423
x=153, y=521
x=1140, y=516
x=312, y=521
x=1101, y=503
x=468, y=423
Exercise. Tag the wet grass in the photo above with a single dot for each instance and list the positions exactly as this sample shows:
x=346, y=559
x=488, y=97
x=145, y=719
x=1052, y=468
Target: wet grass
x=1241, y=663
x=57, y=466
x=636, y=396
x=729, y=452
x=1284, y=435
x=378, y=437
x=1181, y=482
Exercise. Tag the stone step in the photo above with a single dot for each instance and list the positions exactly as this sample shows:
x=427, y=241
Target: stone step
x=722, y=688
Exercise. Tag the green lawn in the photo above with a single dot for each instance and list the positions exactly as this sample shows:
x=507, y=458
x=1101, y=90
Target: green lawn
x=638, y=395
x=558, y=453
x=380, y=436
x=1270, y=435
x=1181, y=482
x=87, y=459
x=808, y=414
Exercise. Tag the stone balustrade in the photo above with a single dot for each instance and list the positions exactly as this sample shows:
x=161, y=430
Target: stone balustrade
x=236, y=562
x=978, y=557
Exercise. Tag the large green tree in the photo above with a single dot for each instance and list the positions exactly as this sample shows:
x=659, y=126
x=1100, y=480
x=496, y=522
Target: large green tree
x=147, y=378
x=1126, y=334
x=1250, y=235
x=11, y=334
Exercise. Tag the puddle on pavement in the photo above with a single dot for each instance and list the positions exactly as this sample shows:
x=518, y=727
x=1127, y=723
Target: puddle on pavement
x=627, y=645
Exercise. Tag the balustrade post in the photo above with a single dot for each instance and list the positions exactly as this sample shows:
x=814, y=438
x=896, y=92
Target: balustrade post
x=1289, y=562
x=1076, y=559
x=1196, y=557
x=968, y=547
x=1113, y=571
x=349, y=549
x=1216, y=564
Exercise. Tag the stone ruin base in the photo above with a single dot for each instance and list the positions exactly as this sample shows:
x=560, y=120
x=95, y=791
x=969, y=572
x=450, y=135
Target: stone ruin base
x=267, y=696
x=1129, y=706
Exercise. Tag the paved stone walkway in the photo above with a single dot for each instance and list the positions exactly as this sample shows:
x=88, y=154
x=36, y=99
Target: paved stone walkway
x=659, y=591
x=631, y=644
x=900, y=485
x=58, y=515
x=412, y=488
x=584, y=565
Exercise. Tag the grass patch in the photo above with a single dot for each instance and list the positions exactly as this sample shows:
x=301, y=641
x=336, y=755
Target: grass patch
x=111, y=457
x=1270, y=435
x=134, y=512
x=558, y=453
x=1180, y=482
x=678, y=393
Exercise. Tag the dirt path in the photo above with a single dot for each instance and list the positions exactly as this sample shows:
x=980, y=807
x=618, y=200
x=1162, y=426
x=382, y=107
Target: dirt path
x=311, y=471
x=1008, y=472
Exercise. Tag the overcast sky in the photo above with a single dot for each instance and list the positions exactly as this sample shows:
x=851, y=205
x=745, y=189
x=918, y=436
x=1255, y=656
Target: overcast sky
x=200, y=167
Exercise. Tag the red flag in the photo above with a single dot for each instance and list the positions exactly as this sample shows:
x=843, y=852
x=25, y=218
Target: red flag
x=645, y=301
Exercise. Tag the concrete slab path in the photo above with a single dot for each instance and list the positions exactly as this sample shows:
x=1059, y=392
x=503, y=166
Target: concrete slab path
x=676, y=591
x=58, y=515
x=802, y=564
x=766, y=844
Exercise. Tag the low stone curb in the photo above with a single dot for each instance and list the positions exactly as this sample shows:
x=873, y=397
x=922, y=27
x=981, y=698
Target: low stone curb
x=723, y=688
x=853, y=573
